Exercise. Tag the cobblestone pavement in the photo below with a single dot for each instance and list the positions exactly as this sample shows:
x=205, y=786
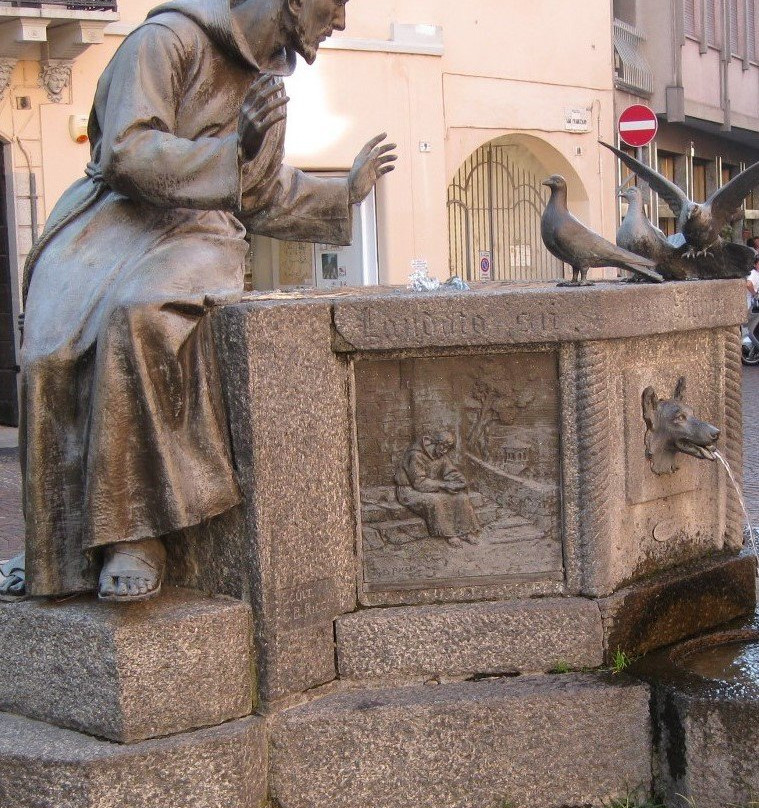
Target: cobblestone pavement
x=12, y=524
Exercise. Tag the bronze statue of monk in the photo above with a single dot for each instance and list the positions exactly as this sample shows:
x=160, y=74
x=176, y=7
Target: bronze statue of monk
x=123, y=437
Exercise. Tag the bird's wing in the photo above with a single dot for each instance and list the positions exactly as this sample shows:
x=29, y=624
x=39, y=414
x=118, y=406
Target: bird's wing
x=725, y=201
x=596, y=249
x=671, y=194
x=592, y=250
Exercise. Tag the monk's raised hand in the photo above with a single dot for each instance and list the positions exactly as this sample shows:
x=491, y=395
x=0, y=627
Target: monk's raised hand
x=263, y=107
x=372, y=162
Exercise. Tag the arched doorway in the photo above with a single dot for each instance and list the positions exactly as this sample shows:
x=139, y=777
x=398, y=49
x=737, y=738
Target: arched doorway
x=495, y=202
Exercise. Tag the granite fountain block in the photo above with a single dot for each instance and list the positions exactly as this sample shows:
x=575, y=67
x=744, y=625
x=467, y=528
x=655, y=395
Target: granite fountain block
x=289, y=409
x=127, y=673
x=472, y=638
x=539, y=391
x=544, y=741
x=42, y=766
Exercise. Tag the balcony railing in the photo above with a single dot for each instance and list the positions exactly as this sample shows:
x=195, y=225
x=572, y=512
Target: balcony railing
x=79, y=5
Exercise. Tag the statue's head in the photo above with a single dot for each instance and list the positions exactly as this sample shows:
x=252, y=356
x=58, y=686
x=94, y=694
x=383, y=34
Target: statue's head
x=313, y=21
x=303, y=24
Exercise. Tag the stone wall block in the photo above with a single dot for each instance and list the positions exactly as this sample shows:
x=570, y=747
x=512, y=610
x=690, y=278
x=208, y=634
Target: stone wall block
x=469, y=639
x=47, y=767
x=544, y=741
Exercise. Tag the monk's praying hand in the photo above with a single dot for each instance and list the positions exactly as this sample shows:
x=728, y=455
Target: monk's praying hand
x=263, y=107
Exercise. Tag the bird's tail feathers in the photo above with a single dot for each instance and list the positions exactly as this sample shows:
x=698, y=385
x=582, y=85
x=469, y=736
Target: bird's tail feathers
x=642, y=266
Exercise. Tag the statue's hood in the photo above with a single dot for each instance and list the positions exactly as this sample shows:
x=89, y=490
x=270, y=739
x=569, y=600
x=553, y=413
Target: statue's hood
x=215, y=18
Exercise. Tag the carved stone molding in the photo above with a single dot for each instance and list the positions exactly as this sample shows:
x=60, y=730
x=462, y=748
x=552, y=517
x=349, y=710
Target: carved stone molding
x=733, y=436
x=55, y=77
x=6, y=71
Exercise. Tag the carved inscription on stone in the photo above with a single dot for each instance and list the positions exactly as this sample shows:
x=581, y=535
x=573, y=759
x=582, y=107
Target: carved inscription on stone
x=459, y=463
x=309, y=604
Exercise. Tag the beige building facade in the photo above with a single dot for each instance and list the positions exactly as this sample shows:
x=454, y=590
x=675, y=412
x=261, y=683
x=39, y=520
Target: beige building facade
x=484, y=100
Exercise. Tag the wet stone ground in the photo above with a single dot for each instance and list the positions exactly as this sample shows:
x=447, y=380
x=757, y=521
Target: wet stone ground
x=11, y=521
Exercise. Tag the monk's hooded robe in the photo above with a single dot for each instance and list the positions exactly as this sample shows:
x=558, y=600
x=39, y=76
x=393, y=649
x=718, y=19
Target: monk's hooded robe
x=123, y=434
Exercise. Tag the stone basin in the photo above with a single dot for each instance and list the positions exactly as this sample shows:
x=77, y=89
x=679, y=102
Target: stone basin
x=727, y=662
x=705, y=706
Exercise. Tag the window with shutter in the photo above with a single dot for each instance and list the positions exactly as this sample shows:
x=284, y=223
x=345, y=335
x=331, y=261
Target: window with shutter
x=689, y=18
x=751, y=30
x=713, y=28
x=735, y=44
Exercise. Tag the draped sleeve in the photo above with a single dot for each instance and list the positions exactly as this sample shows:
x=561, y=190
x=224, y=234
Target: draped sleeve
x=140, y=156
x=296, y=206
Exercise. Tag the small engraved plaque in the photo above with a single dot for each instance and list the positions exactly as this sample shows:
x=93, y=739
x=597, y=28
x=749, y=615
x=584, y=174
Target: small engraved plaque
x=459, y=461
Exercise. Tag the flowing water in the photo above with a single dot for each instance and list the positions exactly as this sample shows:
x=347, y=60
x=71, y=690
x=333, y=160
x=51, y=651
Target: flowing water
x=738, y=491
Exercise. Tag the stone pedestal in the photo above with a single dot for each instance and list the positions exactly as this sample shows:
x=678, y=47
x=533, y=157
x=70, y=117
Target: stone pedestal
x=127, y=673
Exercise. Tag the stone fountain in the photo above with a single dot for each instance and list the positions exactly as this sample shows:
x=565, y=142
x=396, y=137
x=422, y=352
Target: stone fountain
x=450, y=526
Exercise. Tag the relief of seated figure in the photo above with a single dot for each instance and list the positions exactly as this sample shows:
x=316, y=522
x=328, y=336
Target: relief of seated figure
x=430, y=485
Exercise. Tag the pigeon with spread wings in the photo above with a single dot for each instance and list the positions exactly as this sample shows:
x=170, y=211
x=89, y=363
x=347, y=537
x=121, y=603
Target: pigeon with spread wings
x=700, y=223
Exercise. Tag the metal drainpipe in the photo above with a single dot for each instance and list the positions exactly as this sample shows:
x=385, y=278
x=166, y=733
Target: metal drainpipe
x=33, y=197
x=725, y=67
x=33, y=220
x=678, y=41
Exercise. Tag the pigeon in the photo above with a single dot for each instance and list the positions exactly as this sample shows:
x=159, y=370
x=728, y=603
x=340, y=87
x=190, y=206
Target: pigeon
x=700, y=224
x=570, y=241
x=638, y=235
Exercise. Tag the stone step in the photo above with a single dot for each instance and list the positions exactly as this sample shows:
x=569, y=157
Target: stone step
x=127, y=672
x=467, y=639
x=42, y=766
x=542, y=741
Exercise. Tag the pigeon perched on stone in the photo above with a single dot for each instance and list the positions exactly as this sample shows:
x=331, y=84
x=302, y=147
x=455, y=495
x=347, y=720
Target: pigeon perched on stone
x=638, y=235
x=572, y=242
x=700, y=224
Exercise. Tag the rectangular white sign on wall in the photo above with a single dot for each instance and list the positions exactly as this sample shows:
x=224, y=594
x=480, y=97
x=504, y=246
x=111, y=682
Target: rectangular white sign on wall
x=577, y=119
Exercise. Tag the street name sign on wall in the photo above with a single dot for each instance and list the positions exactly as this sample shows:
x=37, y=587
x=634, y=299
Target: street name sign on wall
x=638, y=125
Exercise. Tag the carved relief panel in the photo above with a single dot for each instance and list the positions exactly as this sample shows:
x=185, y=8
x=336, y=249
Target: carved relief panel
x=459, y=475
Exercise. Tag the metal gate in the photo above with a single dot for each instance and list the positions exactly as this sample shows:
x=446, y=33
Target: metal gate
x=494, y=210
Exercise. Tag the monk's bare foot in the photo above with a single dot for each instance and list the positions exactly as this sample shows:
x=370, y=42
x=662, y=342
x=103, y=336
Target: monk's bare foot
x=471, y=538
x=132, y=571
x=454, y=541
x=13, y=578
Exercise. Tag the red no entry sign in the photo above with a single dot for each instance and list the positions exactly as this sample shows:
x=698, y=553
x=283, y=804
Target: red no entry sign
x=638, y=125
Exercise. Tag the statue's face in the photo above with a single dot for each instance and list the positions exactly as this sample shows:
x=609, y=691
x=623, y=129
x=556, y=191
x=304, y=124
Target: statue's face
x=315, y=20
